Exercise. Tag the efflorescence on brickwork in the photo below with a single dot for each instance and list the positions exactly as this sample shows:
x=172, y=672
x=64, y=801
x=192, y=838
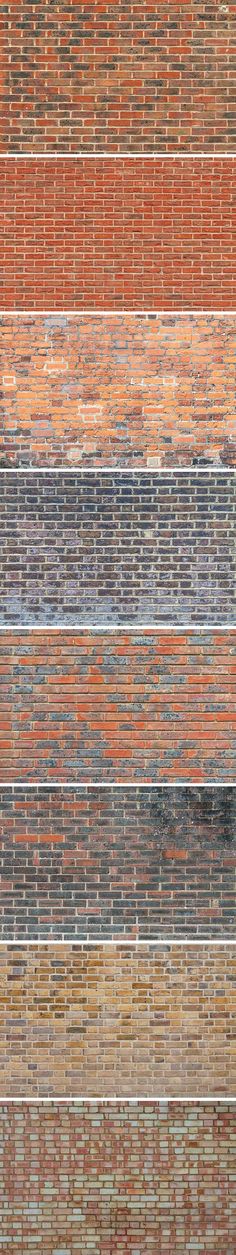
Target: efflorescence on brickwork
x=94, y=234
x=111, y=548
x=117, y=863
x=123, y=1177
x=119, y=391
x=117, y=77
x=119, y=706
x=125, y=1021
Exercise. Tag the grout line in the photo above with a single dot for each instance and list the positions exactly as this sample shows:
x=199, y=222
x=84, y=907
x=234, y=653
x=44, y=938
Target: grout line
x=119, y=313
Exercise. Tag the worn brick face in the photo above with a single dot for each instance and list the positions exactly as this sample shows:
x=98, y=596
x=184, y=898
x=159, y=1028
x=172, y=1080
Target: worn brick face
x=102, y=548
x=94, y=234
x=122, y=1177
x=118, y=706
x=117, y=863
x=125, y=1021
x=117, y=391
x=118, y=77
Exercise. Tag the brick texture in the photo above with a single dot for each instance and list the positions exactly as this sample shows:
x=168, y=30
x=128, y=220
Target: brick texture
x=117, y=391
x=118, y=706
x=127, y=1178
x=100, y=1021
x=117, y=863
x=122, y=77
x=113, y=234
x=102, y=548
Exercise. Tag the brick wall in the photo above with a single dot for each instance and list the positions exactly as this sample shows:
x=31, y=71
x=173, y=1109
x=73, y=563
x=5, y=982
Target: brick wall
x=103, y=1021
x=117, y=391
x=117, y=862
x=102, y=548
x=118, y=706
x=95, y=234
x=130, y=1178
x=129, y=77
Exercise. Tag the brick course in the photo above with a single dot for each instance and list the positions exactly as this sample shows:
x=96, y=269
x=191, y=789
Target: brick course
x=116, y=863
x=127, y=1178
x=118, y=706
x=95, y=234
x=117, y=391
x=117, y=77
x=125, y=1021
x=102, y=548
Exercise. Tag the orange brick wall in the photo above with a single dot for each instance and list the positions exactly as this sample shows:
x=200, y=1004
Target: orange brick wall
x=117, y=391
x=112, y=234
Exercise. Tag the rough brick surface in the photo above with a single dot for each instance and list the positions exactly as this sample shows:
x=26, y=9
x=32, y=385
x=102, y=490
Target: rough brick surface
x=106, y=1021
x=117, y=548
x=118, y=706
x=127, y=1178
x=115, y=863
x=117, y=391
x=122, y=77
x=136, y=234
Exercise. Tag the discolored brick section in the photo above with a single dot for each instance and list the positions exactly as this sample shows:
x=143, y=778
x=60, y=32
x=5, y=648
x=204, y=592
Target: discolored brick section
x=117, y=548
x=118, y=706
x=125, y=1021
x=117, y=391
x=125, y=1177
x=117, y=863
x=124, y=77
x=94, y=234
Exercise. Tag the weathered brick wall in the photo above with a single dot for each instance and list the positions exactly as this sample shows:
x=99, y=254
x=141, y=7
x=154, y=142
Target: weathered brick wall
x=125, y=77
x=117, y=391
x=103, y=863
x=125, y=1021
x=118, y=706
x=117, y=548
x=128, y=1177
x=95, y=234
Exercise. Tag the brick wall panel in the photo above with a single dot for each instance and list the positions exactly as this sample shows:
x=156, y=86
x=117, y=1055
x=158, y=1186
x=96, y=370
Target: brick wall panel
x=77, y=1177
x=118, y=391
x=118, y=706
x=115, y=863
x=125, y=77
x=95, y=234
x=100, y=549
x=117, y=1021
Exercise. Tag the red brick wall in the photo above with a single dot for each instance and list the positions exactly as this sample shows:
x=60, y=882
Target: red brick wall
x=118, y=234
x=118, y=705
x=128, y=76
x=126, y=1178
x=121, y=391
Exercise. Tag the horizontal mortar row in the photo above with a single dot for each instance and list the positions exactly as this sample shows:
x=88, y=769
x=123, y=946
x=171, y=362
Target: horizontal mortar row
x=117, y=862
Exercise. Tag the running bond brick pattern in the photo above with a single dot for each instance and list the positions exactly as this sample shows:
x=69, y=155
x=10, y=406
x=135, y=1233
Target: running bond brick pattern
x=118, y=706
x=100, y=1021
x=127, y=1178
x=117, y=391
x=125, y=76
x=117, y=548
x=116, y=863
x=96, y=234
